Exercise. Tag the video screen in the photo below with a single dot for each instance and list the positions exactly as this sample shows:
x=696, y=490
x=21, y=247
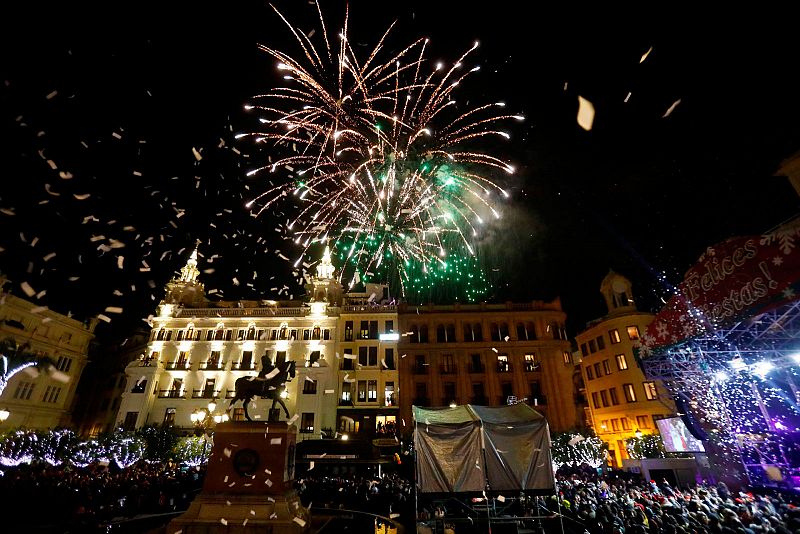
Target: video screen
x=677, y=437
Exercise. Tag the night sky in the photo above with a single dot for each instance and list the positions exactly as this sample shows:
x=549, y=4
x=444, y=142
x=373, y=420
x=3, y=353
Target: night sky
x=118, y=97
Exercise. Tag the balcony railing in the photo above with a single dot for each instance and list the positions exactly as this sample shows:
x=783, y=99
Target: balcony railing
x=171, y=394
x=343, y=402
x=476, y=368
x=503, y=367
x=212, y=366
x=242, y=312
x=447, y=369
x=422, y=401
x=532, y=367
x=370, y=308
x=243, y=366
x=180, y=366
x=205, y=393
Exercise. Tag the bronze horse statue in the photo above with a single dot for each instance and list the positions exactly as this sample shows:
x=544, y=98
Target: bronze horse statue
x=264, y=386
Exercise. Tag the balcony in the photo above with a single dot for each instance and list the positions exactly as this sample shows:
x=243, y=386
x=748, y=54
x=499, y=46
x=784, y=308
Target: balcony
x=205, y=393
x=243, y=366
x=448, y=369
x=420, y=369
x=178, y=366
x=477, y=368
x=422, y=401
x=345, y=402
x=533, y=367
x=212, y=366
x=171, y=394
x=480, y=400
x=148, y=362
x=503, y=367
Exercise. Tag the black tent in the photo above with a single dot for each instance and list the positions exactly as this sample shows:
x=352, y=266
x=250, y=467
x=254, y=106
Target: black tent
x=463, y=448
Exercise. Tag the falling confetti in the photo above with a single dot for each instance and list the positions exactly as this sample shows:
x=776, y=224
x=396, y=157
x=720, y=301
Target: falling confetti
x=585, y=113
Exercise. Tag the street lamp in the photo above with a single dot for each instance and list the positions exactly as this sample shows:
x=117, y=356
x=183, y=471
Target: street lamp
x=638, y=433
x=212, y=406
x=4, y=414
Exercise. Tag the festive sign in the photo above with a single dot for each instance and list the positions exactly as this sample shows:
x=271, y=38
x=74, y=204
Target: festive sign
x=739, y=277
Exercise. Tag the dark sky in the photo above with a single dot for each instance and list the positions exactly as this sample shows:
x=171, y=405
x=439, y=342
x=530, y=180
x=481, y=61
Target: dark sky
x=142, y=83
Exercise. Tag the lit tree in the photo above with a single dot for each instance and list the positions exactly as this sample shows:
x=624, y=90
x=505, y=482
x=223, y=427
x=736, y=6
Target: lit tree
x=647, y=446
x=15, y=358
x=574, y=448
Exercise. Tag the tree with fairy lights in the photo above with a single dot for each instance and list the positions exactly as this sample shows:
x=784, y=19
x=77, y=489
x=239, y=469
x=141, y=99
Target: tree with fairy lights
x=15, y=358
x=577, y=448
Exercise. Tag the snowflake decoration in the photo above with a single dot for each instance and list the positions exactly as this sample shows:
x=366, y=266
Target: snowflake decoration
x=777, y=261
x=784, y=237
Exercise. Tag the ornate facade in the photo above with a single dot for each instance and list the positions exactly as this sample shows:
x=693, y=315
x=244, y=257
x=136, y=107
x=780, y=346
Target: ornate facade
x=488, y=354
x=621, y=400
x=42, y=400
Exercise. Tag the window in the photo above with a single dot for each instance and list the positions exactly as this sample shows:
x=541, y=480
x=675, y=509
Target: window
x=633, y=332
x=373, y=356
x=650, y=391
x=626, y=424
x=423, y=333
x=622, y=363
x=584, y=352
x=476, y=366
x=567, y=357
x=347, y=361
x=589, y=374
x=51, y=394
x=209, y=335
x=346, y=394
x=316, y=332
x=313, y=359
x=363, y=332
x=595, y=400
x=504, y=331
x=388, y=327
x=372, y=391
x=284, y=332
x=507, y=391
x=362, y=391
x=280, y=357
x=420, y=365
x=214, y=360
x=422, y=392
x=614, y=398
x=169, y=417
x=306, y=334
x=307, y=423
x=472, y=332
x=502, y=364
x=604, y=398
x=478, y=396
x=414, y=334
x=24, y=390
x=240, y=334
x=179, y=335
x=613, y=335
x=495, y=332
x=64, y=364
x=219, y=334
x=139, y=386
x=441, y=337
x=597, y=372
x=273, y=334
x=592, y=346
x=309, y=387
x=129, y=424
x=606, y=367
x=247, y=359
x=643, y=421
x=615, y=425
x=326, y=334
x=448, y=364
x=630, y=393
x=238, y=414
x=536, y=393
x=348, y=331
x=388, y=393
x=532, y=362
x=228, y=334
x=362, y=356
x=601, y=343
x=388, y=359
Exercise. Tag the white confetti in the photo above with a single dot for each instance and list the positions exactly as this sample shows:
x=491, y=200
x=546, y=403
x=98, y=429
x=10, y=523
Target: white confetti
x=197, y=155
x=51, y=95
x=49, y=256
x=65, y=175
x=83, y=196
x=585, y=113
x=299, y=521
x=627, y=97
x=501, y=498
x=103, y=317
x=644, y=56
x=113, y=309
x=268, y=482
x=671, y=109
x=223, y=521
x=27, y=289
x=120, y=261
x=227, y=452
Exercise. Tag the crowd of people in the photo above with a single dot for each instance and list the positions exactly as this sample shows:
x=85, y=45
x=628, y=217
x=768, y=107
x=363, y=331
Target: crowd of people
x=389, y=495
x=625, y=503
x=89, y=497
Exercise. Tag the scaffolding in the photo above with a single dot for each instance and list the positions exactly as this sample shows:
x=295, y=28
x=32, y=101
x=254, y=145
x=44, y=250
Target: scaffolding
x=700, y=368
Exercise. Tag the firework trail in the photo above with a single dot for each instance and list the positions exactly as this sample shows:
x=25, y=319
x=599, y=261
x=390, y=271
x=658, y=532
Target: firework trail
x=379, y=153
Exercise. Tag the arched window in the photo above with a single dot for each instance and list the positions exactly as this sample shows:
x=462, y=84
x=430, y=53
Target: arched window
x=522, y=334
x=423, y=333
x=503, y=331
x=450, y=333
x=219, y=333
x=468, y=332
x=495, y=332
x=284, y=331
x=414, y=334
x=440, y=334
x=251, y=332
x=477, y=332
x=531, y=330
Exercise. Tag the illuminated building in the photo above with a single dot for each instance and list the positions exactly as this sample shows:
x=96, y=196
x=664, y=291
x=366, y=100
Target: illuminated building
x=621, y=400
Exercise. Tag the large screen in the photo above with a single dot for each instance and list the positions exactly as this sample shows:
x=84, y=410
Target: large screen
x=677, y=437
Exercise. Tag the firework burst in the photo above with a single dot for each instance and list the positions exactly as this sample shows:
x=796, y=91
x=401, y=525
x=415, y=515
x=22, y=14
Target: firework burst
x=379, y=153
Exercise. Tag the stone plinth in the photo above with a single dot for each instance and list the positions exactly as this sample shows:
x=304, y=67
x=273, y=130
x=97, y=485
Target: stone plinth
x=248, y=484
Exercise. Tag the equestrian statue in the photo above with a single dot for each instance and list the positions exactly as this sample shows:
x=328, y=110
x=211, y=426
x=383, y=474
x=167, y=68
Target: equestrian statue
x=269, y=384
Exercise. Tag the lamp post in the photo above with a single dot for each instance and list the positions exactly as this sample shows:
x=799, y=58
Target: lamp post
x=4, y=414
x=638, y=433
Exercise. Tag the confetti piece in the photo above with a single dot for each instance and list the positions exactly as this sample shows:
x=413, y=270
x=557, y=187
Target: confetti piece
x=197, y=155
x=627, y=97
x=65, y=175
x=275, y=441
x=51, y=95
x=494, y=349
x=507, y=338
x=393, y=516
x=103, y=317
x=273, y=515
x=272, y=373
x=299, y=521
x=311, y=465
x=225, y=479
x=120, y=260
x=268, y=482
x=38, y=309
x=7, y=211
x=49, y=256
x=113, y=309
x=252, y=512
x=116, y=135
x=244, y=523
x=137, y=173
x=585, y=113
x=294, y=418
x=644, y=56
x=671, y=109
x=227, y=452
x=501, y=498
x=223, y=521
x=27, y=289
x=83, y=196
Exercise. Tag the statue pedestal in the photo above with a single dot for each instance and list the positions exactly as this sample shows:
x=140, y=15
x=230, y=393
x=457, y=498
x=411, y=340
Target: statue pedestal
x=248, y=484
